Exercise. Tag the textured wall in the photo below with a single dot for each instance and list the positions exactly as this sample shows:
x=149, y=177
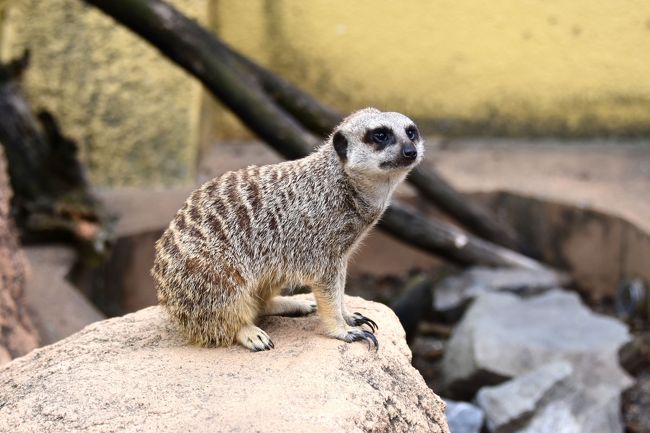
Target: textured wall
x=505, y=67
x=134, y=114
x=576, y=67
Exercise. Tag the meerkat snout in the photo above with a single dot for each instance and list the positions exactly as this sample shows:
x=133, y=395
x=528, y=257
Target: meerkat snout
x=240, y=238
x=409, y=151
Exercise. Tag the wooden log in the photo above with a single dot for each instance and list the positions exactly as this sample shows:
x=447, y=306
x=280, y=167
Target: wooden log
x=472, y=216
x=316, y=117
x=449, y=242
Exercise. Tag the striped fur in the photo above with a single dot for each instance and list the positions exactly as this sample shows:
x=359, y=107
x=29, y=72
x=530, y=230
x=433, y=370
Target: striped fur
x=242, y=237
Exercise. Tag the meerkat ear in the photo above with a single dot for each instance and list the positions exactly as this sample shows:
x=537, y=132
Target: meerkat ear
x=340, y=145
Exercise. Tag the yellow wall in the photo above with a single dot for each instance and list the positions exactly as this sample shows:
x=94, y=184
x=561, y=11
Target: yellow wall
x=503, y=67
x=577, y=67
x=134, y=114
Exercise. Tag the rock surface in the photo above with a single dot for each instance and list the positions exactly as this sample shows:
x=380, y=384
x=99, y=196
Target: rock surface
x=18, y=334
x=511, y=404
x=503, y=336
x=136, y=373
x=550, y=399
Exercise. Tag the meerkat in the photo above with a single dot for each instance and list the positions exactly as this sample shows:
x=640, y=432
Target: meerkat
x=241, y=238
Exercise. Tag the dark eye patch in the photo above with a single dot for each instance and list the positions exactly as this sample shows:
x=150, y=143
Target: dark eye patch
x=379, y=137
x=412, y=133
x=340, y=145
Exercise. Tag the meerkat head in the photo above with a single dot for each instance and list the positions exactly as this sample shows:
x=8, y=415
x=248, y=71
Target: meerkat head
x=371, y=142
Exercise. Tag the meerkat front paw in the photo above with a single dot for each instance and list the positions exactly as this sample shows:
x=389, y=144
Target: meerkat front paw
x=358, y=335
x=358, y=319
x=254, y=338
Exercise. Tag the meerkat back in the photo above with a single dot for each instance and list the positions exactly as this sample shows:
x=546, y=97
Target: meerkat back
x=240, y=238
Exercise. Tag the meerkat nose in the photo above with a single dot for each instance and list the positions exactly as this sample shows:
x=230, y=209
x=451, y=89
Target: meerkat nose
x=409, y=151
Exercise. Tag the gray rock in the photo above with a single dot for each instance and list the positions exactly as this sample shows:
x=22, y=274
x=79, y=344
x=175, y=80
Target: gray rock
x=503, y=336
x=463, y=417
x=511, y=403
x=551, y=400
x=457, y=290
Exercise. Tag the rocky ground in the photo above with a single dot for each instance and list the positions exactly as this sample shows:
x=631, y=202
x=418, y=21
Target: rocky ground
x=636, y=404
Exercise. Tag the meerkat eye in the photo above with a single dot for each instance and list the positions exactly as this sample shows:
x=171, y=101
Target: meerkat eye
x=412, y=133
x=379, y=137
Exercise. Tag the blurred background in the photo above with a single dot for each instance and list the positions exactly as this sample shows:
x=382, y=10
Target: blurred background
x=508, y=68
x=534, y=198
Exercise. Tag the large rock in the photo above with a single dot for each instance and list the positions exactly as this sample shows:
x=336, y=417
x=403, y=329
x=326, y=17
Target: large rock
x=18, y=335
x=503, y=336
x=513, y=402
x=550, y=399
x=136, y=373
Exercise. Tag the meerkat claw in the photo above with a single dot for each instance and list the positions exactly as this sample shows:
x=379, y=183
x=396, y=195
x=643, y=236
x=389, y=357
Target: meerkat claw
x=357, y=335
x=254, y=339
x=358, y=319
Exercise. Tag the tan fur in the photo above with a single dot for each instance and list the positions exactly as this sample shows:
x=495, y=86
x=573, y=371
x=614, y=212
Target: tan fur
x=242, y=237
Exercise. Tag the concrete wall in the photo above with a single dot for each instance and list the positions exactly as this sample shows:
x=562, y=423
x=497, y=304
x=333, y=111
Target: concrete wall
x=134, y=114
x=503, y=67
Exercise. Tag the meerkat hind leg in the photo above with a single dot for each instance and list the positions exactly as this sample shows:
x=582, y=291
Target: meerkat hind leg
x=287, y=306
x=254, y=338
